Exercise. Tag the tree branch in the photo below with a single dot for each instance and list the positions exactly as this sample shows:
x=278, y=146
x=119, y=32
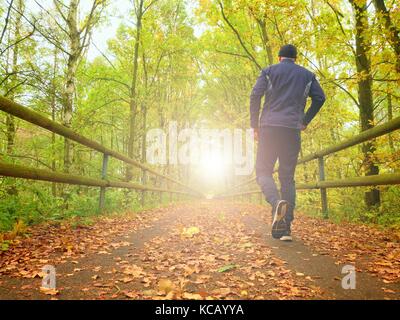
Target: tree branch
x=251, y=57
x=6, y=21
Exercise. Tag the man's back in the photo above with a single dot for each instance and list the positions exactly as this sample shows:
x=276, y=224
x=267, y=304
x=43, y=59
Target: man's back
x=286, y=87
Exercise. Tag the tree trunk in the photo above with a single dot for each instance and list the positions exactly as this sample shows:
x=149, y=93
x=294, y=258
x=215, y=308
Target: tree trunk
x=144, y=124
x=265, y=39
x=365, y=98
x=70, y=84
x=393, y=32
x=53, y=117
x=10, y=124
x=390, y=117
x=133, y=95
x=10, y=121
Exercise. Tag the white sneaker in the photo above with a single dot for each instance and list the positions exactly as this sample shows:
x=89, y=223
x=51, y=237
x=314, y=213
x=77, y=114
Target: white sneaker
x=279, y=224
x=286, y=237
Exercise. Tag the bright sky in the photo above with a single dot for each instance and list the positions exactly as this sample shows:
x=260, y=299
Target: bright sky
x=116, y=13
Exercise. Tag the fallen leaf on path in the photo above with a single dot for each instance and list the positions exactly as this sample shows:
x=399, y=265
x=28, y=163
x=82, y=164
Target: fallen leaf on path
x=133, y=271
x=190, y=232
x=131, y=294
x=227, y=268
x=48, y=291
x=192, y=296
x=165, y=286
x=222, y=291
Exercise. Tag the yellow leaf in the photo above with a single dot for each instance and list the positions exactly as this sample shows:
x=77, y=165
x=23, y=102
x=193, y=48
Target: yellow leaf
x=170, y=296
x=190, y=232
x=165, y=286
x=149, y=293
x=19, y=228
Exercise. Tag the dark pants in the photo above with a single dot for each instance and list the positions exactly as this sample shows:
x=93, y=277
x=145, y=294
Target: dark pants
x=283, y=144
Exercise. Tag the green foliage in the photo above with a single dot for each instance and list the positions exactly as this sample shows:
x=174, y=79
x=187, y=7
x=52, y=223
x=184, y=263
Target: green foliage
x=35, y=204
x=343, y=206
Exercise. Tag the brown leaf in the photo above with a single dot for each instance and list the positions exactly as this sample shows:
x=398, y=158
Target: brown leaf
x=131, y=294
x=192, y=296
x=133, y=271
x=48, y=291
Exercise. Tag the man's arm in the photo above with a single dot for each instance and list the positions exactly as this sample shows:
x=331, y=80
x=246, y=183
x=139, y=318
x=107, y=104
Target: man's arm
x=318, y=99
x=255, y=99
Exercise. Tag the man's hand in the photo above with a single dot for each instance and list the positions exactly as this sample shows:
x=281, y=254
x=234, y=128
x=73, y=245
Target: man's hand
x=256, y=134
x=303, y=127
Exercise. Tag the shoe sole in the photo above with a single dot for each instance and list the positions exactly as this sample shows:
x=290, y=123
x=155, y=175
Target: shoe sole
x=286, y=239
x=279, y=223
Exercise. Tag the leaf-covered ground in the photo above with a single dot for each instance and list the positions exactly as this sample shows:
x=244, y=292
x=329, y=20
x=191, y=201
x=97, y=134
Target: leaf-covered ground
x=202, y=250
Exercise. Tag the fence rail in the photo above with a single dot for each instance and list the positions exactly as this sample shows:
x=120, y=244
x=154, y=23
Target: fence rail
x=18, y=171
x=36, y=118
x=375, y=180
x=372, y=180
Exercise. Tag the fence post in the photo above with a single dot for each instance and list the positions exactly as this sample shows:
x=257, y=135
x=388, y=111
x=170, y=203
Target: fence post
x=144, y=181
x=103, y=189
x=324, y=198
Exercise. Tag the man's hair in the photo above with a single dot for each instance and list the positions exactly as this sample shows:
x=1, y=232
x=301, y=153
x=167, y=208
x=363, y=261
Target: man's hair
x=288, y=51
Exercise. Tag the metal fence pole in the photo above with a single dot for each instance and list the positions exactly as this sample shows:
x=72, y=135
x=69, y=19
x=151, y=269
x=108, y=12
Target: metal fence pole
x=324, y=198
x=103, y=189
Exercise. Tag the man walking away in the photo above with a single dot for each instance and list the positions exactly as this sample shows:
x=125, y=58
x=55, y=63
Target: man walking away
x=286, y=87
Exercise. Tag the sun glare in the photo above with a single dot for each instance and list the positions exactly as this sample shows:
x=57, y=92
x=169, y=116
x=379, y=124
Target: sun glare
x=213, y=166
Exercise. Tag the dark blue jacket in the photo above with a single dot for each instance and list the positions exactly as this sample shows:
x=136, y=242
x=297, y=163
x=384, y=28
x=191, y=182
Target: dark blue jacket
x=286, y=87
